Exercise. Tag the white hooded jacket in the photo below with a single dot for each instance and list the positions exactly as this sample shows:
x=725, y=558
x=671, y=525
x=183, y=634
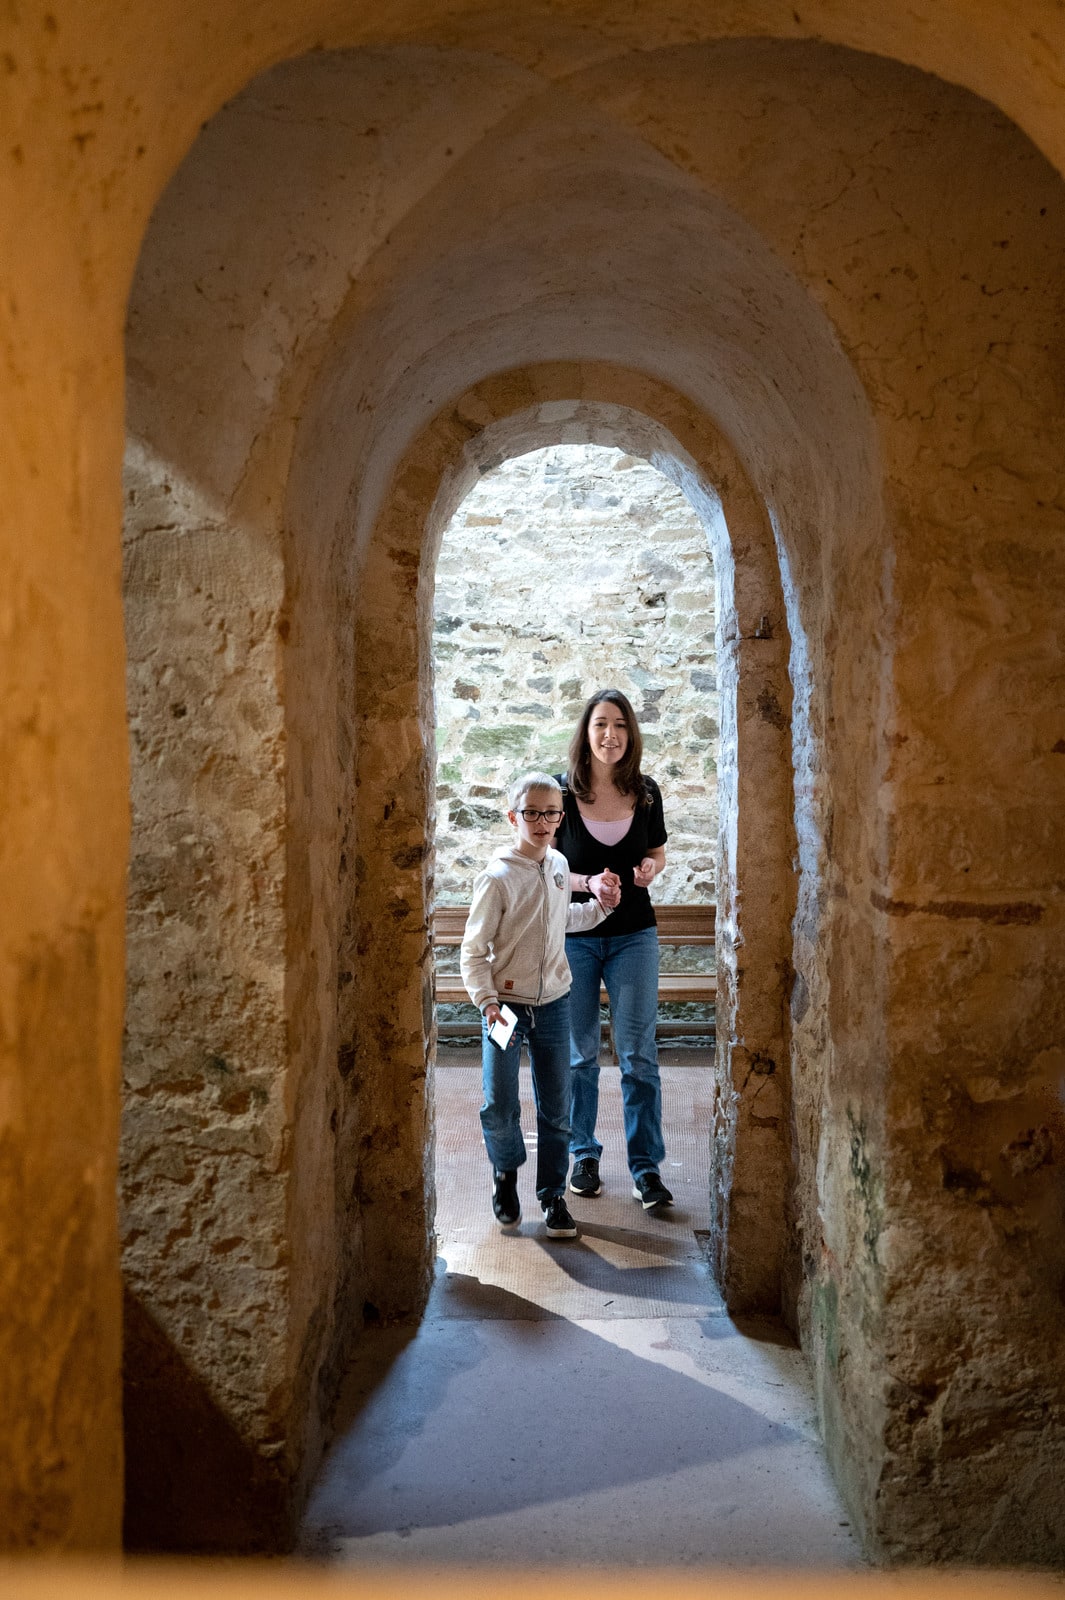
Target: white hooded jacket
x=514, y=947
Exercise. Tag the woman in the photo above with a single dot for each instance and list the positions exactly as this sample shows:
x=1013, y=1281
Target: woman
x=611, y=809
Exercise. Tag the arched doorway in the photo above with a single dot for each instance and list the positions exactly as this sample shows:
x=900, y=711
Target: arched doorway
x=751, y=1147
x=568, y=567
x=317, y=466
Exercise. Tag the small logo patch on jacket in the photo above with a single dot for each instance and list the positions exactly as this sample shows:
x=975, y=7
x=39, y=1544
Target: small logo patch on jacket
x=560, y=882
x=509, y=983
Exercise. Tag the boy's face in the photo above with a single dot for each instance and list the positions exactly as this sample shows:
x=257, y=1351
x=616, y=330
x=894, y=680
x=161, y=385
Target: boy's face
x=535, y=833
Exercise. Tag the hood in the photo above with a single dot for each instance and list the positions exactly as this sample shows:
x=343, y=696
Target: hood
x=511, y=854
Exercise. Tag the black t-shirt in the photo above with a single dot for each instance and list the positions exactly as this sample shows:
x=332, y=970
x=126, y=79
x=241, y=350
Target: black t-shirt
x=586, y=855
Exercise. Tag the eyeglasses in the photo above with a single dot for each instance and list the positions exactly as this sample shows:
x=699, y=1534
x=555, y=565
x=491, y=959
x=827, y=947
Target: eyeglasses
x=534, y=816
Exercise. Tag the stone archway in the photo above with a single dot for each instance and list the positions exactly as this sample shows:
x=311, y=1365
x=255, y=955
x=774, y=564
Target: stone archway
x=279, y=509
x=751, y=1174
x=732, y=296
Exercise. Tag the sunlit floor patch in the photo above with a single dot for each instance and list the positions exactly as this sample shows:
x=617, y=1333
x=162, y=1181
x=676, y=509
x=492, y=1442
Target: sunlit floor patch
x=587, y=1401
x=626, y=1262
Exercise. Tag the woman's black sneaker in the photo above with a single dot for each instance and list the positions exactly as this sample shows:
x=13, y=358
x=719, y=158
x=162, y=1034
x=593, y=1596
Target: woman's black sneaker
x=505, y=1202
x=560, y=1225
x=584, y=1179
x=649, y=1189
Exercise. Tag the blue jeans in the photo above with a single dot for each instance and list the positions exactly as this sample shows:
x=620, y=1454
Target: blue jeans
x=627, y=963
x=546, y=1031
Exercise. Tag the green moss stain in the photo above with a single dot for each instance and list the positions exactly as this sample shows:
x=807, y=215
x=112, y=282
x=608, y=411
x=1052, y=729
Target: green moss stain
x=826, y=1320
x=868, y=1184
x=510, y=741
x=551, y=752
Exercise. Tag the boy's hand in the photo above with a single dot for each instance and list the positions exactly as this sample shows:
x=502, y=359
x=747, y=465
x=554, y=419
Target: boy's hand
x=492, y=1013
x=644, y=874
x=606, y=886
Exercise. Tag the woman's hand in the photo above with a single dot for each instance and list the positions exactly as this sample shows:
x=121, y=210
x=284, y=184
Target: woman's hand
x=492, y=1014
x=606, y=887
x=644, y=874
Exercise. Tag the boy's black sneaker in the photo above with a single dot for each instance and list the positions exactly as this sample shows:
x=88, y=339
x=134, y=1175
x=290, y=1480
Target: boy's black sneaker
x=505, y=1202
x=560, y=1225
x=584, y=1179
x=649, y=1189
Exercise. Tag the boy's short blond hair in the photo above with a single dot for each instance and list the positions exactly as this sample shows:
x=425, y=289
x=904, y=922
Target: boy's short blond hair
x=530, y=780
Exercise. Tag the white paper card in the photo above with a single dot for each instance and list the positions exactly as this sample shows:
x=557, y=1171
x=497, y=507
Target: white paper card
x=500, y=1031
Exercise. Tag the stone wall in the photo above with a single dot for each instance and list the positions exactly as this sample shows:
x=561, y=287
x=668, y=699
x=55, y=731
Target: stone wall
x=205, y=1209
x=566, y=570
x=727, y=198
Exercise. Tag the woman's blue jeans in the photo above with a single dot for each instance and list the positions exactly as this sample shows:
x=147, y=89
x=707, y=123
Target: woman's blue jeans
x=627, y=963
x=546, y=1030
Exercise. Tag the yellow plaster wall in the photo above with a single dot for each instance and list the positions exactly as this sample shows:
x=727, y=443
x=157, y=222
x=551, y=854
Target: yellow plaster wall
x=99, y=104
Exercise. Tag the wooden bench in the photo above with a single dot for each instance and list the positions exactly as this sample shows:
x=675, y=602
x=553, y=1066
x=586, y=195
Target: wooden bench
x=677, y=925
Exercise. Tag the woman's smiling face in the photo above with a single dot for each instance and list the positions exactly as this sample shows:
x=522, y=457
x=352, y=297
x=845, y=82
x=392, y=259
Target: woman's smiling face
x=608, y=733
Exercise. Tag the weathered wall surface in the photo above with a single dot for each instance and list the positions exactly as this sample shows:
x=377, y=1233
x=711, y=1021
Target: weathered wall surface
x=865, y=216
x=837, y=545
x=832, y=541
x=205, y=1231
x=923, y=901
x=260, y=1097
x=564, y=571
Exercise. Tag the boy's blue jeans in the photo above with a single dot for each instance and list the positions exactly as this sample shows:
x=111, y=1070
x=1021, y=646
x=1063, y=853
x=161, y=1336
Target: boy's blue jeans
x=627, y=963
x=546, y=1031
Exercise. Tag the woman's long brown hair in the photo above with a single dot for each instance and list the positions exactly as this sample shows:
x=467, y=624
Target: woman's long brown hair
x=627, y=775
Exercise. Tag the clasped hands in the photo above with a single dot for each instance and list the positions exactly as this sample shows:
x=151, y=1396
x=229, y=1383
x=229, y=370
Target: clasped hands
x=606, y=885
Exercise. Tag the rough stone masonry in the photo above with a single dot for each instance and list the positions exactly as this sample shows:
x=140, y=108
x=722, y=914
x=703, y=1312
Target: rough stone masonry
x=566, y=570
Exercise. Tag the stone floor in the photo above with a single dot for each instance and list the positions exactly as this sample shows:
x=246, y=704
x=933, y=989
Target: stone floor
x=582, y=1402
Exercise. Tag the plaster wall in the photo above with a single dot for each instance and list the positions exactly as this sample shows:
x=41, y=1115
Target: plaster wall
x=903, y=190
x=226, y=1581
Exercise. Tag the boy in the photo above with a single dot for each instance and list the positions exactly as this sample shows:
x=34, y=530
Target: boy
x=514, y=950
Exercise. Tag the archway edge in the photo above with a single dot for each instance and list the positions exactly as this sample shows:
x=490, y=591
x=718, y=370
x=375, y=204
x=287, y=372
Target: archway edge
x=171, y=71
x=503, y=415
x=99, y=163
x=530, y=407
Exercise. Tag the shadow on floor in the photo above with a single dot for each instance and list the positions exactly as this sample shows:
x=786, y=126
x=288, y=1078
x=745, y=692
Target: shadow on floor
x=585, y=1401
x=465, y=1422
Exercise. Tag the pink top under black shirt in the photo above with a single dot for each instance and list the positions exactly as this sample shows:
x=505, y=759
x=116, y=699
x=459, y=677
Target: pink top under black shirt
x=644, y=831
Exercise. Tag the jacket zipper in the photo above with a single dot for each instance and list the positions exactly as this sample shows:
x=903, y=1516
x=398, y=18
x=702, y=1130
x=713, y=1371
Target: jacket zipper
x=543, y=942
